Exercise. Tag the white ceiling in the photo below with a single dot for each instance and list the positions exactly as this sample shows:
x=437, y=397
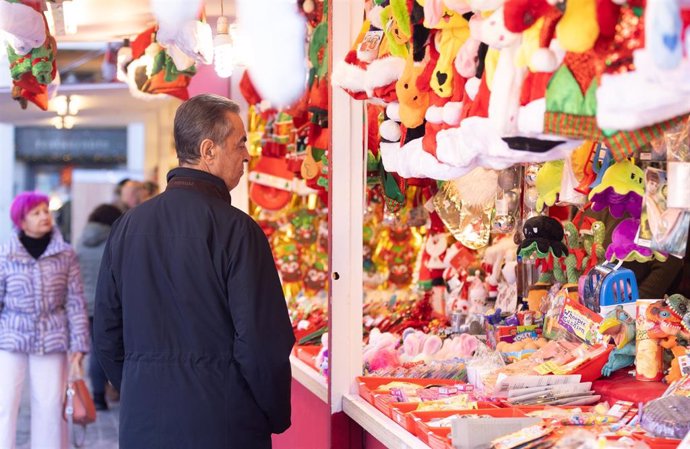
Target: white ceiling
x=99, y=21
x=108, y=20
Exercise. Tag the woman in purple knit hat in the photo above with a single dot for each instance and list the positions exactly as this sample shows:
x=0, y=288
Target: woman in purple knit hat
x=43, y=319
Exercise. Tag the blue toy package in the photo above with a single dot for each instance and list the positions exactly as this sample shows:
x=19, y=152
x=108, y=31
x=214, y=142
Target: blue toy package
x=608, y=286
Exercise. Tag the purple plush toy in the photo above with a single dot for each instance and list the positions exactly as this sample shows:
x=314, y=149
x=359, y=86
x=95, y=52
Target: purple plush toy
x=623, y=246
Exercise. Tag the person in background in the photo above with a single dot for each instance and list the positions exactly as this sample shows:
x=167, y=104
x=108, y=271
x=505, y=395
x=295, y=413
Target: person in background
x=191, y=322
x=42, y=319
x=128, y=194
x=149, y=189
x=90, y=251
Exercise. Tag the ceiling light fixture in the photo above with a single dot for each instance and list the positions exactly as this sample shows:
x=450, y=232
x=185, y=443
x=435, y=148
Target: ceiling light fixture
x=223, y=51
x=66, y=108
x=64, y=122
x=66, y=105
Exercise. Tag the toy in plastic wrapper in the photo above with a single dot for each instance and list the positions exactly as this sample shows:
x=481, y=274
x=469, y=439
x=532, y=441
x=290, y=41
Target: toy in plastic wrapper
x=649, y=354
x=662, y=228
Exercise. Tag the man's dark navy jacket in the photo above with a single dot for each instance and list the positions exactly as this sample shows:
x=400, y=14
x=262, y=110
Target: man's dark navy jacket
x=191, y=324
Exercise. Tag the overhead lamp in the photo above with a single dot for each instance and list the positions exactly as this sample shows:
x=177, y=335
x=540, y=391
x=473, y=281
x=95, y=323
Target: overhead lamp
x=223, y=51
x=66, y=105
x=64, y=122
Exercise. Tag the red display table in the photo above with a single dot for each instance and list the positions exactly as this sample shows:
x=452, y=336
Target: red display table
x=621, y=386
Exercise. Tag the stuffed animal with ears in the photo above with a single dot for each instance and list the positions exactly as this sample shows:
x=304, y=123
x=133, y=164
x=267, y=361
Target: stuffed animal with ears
x=418, y=346
x=507, y=79
x=381, y=351
x=453, y=31
x=459, y=346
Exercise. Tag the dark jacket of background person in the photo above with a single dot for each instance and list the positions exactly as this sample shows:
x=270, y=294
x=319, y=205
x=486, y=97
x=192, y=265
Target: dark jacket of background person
x=191, y=324
x=90, y=248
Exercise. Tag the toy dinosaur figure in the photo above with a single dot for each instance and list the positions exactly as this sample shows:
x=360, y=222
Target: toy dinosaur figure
x=670, y=328
x=593, y=240
x=574, y=262
x=620, y=327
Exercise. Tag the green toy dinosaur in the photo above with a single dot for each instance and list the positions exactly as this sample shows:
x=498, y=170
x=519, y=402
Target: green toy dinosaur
x=594, y=246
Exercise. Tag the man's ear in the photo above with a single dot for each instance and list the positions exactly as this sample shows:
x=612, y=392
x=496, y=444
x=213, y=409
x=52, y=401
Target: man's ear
x=207, y=150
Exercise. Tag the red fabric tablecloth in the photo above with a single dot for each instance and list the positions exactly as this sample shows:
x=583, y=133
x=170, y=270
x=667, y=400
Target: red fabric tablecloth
x=621, y=386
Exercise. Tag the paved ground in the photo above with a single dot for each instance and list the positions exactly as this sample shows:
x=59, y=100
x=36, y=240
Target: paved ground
x=100, y=435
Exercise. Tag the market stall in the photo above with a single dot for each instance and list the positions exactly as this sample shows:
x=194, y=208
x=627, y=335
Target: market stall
x=519, y=298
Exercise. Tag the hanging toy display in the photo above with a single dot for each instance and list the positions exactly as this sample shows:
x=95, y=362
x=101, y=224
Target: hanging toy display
x=548, y=184
x=31, y=52
x=621, y=190
x=544, y=242
x=624, y=248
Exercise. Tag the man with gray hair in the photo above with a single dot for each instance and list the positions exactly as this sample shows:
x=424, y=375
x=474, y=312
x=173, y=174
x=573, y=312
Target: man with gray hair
x=191, y=325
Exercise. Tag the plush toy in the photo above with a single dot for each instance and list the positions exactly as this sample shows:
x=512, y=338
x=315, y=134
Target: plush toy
x=578, y=29
x=572, y=97
x=548, y=183
x=624, y=248
x=544, y=242
x=593, y=234
x=620, y=327
x=453, y=32
x=322, y=357
x=621, y=190
x=380, y=352
x=576, y=260
x=24, y=27
x=372, y=67
x=459, y=346
x=418, y=346
x=397, y=27
x=659, y=88
x=277, y=66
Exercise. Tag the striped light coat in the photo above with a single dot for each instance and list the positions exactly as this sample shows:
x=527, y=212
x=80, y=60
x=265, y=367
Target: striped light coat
x=42, y=306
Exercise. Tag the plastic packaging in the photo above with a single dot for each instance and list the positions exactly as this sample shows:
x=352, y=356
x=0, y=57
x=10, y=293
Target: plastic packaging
x=648, y=358
x=667, y=417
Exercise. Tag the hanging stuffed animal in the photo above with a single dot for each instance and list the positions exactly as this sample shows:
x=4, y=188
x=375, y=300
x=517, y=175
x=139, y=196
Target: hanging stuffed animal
x=31, y=51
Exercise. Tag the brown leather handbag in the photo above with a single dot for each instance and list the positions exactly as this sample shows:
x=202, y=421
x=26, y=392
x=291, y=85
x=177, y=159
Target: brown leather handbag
x=78, y=409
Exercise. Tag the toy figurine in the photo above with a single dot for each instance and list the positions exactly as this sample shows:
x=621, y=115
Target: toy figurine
x=671, y=326
x=620, y=327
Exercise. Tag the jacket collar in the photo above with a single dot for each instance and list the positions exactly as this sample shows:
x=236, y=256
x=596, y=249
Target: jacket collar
x=56, y=246
x=204, y=182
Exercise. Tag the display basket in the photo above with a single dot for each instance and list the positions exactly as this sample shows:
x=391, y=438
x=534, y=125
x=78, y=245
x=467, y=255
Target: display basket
x=401, y=413
x=591, y=369
x=440, y=439
x=367, y=386
x=308, y=354
x=422, y=419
